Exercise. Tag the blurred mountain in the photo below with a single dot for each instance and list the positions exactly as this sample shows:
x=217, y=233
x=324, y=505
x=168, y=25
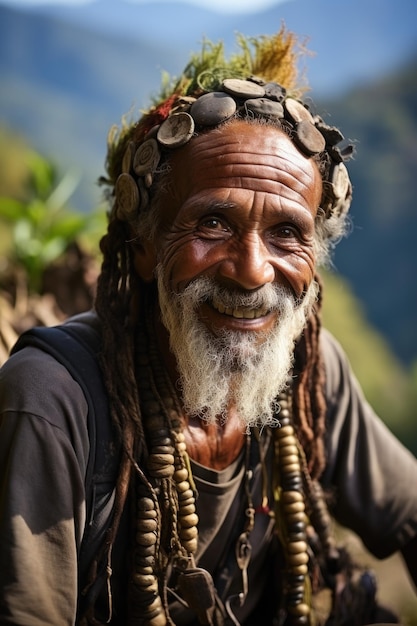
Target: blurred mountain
x=380, y=256
x=69, y=73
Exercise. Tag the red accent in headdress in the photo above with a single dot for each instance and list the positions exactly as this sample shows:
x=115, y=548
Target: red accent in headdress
x=156, y=116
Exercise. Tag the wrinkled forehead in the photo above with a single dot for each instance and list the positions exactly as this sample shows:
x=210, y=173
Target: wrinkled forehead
x=244, y=155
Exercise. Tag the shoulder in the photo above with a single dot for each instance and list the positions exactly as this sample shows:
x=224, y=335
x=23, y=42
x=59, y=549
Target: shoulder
x=35, y=382
x=338, y=371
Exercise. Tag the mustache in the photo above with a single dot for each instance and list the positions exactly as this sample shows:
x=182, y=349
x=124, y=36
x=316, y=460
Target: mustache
x=269, y=297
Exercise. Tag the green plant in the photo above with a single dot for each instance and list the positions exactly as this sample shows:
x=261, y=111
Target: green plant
x=40, y=223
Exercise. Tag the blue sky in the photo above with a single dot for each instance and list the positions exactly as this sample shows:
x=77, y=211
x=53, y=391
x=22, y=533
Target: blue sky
x=223, y=6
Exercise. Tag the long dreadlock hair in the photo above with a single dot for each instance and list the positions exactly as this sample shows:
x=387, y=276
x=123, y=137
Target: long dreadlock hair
x=120, y=291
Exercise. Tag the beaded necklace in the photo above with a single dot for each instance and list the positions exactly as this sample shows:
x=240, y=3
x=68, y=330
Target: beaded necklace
x=166, y=521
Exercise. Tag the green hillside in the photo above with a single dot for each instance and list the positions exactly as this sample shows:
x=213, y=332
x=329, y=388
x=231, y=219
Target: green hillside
x=380, y=257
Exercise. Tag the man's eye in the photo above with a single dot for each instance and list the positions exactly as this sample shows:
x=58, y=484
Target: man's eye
x=285, y=232
x=213, y=223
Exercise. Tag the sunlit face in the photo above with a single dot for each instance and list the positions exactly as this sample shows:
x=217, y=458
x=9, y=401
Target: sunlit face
x=241, y=212
x=235, y=268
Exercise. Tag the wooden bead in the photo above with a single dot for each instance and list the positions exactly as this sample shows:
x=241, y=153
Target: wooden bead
x=186, y=495
x=187, y=521
x=181, y=475
x=145, y=504
x=146, y=539
x=151, y=514
x=299, y=609
x=297, y=559
x=148, y=583
x=291, y=468
x=190, y=544
x=291, y=496
x=147, y=525
x=291, y=449
x=295, y=547
x=290, y=459
x=294, y=507
x=188, y=533
x=187, y=509
x=294, y=518
x=299, y=569
x=284, y=431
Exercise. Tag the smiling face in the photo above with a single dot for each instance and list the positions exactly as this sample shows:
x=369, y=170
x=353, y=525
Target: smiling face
x=242, y=212
x=235, y=253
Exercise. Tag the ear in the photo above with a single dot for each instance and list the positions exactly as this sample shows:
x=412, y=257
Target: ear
x=144, y=260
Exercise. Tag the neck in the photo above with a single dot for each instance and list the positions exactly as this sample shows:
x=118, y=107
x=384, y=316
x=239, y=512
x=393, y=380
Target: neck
x=212, y=445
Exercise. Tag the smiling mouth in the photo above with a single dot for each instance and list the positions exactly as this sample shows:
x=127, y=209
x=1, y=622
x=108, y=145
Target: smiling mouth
x=240, y=312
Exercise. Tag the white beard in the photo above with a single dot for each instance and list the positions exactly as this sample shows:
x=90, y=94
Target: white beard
x=246, y=370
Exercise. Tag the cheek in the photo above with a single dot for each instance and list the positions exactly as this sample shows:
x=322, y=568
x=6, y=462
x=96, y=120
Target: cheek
x=298, y=270
x=184, y=261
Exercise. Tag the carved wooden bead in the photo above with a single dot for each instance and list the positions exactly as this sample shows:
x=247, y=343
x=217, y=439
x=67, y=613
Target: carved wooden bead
x=290, y=459
x=286, y=440
x=162, y=449
x=146, y=539
x=291, y=496
x=160, y=471
x=147, y=525
x=291, y=467
x=187, y=521
x=146, y=504
x=299, y=569
x=147, y=550
x=183, y=487
x=151, y=606
x=297, y=559
x=184, y=505
x=294, y=507
x=190, y=544
x=144, y=581
x=144, y=562
x=294, y=518
x=296, y=547
x=301, y=609
x=188, y=533
x=144, y=571
x=158, y=620
x=297, y=536
x=284, y=431
x=161, y=459
x=290, y=450
x=187, y=509
x=181, y=474
x=151, y=514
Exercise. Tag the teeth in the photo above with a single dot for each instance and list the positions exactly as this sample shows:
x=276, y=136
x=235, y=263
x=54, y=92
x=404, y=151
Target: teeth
x=240, y=313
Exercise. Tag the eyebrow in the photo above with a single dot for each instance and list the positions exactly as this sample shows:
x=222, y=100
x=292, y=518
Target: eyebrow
x=216, y=205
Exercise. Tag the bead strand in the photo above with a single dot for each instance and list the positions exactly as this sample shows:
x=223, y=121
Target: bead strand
x=293, y=511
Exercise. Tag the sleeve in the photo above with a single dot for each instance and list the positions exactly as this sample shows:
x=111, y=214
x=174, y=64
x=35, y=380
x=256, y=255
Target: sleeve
x=43, y=456
x=371, y=475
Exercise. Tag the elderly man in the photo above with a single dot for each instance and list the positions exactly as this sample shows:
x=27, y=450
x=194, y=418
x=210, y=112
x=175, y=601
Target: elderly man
x=233, y=417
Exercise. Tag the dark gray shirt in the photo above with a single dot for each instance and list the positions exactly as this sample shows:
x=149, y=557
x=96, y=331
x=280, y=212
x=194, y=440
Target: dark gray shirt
x=43, y=457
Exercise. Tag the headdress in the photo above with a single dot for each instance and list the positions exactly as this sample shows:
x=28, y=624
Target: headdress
x=258, y=82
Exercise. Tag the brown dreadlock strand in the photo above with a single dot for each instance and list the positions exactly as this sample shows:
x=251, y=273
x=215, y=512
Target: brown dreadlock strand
x=309, y=401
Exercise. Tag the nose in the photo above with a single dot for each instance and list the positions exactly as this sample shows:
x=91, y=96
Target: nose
x=248, y=264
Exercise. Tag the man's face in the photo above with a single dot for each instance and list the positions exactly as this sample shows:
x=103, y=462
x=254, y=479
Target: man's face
x=235, y=267
x=241, y=213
